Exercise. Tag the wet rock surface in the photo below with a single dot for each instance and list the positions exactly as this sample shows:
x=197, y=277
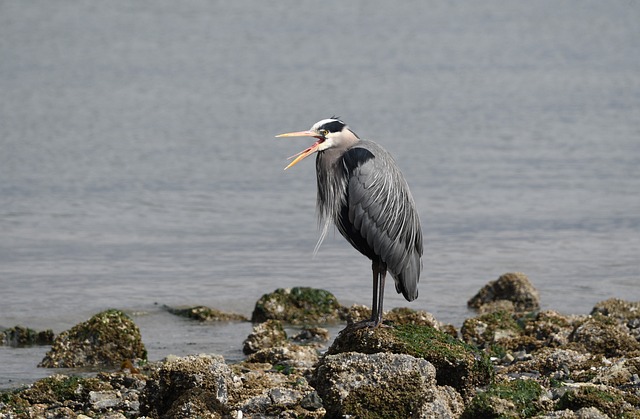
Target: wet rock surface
x=504, y=363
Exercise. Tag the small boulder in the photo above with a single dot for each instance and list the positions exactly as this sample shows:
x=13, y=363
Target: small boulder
x=512, y=399
x=458, y=364
x=492, y=329
x=608, y=400
x=512, y=287
x=316, y=336
x=400, y=315
x=265, y=335
x=382, y=385
x=205, y=314
x=192, y=386
x=626, y=313
x=23, y=336
x=299, y=305
x=603, y=335
x=105, y=340
x=287, y=358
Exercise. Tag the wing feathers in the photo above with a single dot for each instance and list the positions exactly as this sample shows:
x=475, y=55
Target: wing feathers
x=381, y=210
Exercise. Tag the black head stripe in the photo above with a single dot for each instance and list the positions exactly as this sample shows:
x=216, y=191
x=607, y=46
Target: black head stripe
x=334, y=125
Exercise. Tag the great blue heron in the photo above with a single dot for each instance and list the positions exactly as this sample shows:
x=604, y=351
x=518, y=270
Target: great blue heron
x=363, y=192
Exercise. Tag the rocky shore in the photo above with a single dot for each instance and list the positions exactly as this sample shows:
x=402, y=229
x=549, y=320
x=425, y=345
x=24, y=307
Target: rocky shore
x=512, y=360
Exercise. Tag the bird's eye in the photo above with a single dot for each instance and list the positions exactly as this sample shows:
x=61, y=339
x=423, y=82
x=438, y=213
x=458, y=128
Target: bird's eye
x=323, y=132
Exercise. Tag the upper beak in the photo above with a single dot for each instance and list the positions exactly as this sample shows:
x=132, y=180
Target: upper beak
x=307, y=152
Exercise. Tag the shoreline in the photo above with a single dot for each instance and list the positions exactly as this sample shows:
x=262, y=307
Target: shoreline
x=562, y=365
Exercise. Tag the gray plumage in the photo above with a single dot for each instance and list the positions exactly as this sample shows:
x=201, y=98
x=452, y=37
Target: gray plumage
x=362, y=191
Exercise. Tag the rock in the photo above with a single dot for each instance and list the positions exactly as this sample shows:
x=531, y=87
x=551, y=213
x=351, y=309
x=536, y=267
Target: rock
x=261, y=391
x=607, y=400
x=22, y=336
x=619, y=309
x=549, y=328
x=312, y=335
x=356, y=313
x=603, y=335
x=621, y=373
x=513, y=287
x=518, y=398
x=500, y=332
x=498, y=305
x=278, y=399
x=382, y=385
x=299, y=305
x=205, y=314
x=491, y=329
x=287, y=358
x=458, y=365
x=626, y=313
x=265, y=335
x=105, y=340
x=102, y=400
x=400, y=316
x=188, y=387
x=61, y=388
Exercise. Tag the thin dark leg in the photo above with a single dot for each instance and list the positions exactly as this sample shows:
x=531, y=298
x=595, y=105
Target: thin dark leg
x=383, y=274
x=376, y=290
x=379, y=272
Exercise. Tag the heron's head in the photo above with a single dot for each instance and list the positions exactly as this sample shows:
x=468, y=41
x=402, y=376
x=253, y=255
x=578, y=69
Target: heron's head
x=329, y=133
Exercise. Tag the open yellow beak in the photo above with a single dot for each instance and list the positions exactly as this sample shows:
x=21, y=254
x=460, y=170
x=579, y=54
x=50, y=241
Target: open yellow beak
x=304, y=153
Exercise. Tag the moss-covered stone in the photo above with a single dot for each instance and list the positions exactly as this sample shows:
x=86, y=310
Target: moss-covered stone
x=299, y=305
x=500, y=331
x=603, y=335
x=458, y=364
x=23, y=336
x=514, y=287
x=193, y=386
x=206, y=314
x=619, y=309
x=606, y=399
x=265, y=335
x=514, y=399
x=490, y=329
x=382, y=385
x=105, y=340
x=61, y=388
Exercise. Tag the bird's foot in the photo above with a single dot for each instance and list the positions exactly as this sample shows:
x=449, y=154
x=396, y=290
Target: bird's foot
x=364, y=324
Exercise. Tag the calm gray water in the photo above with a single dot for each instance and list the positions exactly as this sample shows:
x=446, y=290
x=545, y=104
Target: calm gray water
x=139, y=166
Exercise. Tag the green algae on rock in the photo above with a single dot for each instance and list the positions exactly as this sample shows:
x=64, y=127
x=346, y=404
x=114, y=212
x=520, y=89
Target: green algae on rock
x=298, y=305
x=105, y=340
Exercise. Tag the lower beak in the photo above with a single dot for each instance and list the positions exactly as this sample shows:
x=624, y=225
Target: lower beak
x=305, y=153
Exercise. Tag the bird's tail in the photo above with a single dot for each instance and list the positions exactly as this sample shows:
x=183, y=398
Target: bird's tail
x=407, y=279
